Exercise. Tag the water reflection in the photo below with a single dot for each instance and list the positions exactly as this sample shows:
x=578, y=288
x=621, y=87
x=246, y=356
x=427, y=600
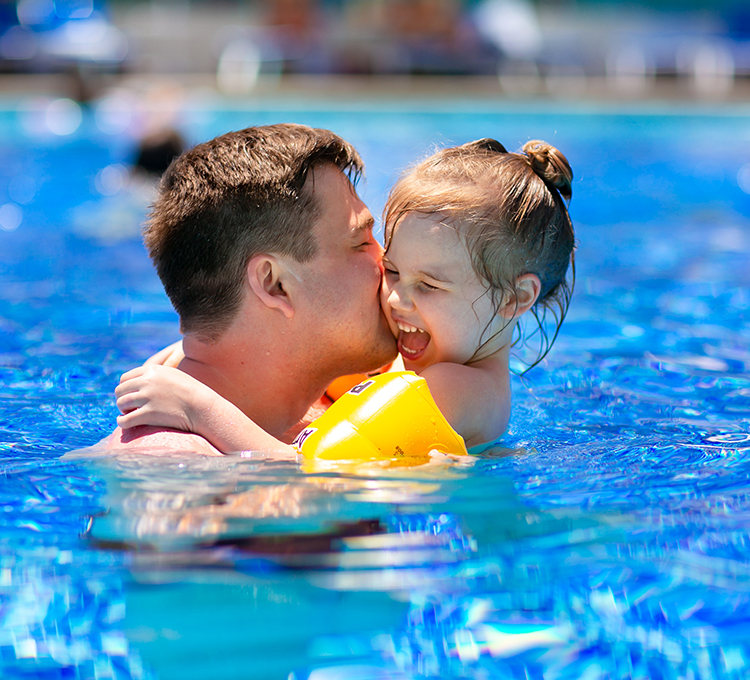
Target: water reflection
x=380, y=571
x=162, y=502
x=261, y=566
x=518, y=566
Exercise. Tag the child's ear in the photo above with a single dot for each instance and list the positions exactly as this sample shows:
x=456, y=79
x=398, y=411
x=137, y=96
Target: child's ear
x=524, y=296
x=266, y=276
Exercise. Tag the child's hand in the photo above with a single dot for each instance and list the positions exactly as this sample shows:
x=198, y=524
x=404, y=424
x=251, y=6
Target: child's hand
x=162, y=396
x=157, y=395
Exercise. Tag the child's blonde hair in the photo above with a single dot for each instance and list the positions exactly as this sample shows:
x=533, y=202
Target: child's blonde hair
x=511, y=211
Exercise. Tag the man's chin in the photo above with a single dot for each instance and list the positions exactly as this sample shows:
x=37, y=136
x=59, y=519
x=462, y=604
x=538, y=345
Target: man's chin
x=371, y=351
x=387, y=352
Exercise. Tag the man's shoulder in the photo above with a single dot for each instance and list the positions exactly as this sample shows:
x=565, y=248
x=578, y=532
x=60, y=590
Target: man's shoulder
x=154, y=440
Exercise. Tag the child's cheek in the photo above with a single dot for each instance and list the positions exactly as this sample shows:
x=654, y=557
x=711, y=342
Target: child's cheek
x=384, y=292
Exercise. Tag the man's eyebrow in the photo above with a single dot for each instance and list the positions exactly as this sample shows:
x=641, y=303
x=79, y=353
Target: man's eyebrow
x=364, y=225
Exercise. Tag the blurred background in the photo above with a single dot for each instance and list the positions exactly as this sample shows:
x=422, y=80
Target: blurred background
x=545, y=48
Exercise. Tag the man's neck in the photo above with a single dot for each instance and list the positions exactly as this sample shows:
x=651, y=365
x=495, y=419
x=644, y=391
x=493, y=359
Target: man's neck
x=260, y=378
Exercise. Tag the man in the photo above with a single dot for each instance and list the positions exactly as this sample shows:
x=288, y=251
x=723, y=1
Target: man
x=267, y=254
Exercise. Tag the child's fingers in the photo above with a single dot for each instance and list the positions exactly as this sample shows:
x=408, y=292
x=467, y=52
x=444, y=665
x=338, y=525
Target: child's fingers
x=128, y=387
x=160, y=356
x=169, y=356
x=132, y=373
x=132, y=419
x=123, y=388
x=146, y=415
x=130, y=402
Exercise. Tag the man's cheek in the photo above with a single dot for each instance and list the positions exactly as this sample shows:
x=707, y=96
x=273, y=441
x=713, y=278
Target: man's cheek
x=384, y=292
x=374, y=271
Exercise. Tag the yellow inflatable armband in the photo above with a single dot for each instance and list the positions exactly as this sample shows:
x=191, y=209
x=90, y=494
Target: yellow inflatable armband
x=386, y=417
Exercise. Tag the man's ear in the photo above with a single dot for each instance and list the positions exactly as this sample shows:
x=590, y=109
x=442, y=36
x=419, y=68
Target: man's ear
x=266, y=276
x=521, y=299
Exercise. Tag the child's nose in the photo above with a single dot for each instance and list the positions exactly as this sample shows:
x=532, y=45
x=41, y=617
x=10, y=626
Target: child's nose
x=398, y=299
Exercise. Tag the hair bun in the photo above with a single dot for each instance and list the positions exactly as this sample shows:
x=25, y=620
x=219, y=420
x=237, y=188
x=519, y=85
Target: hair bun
x=551, y=166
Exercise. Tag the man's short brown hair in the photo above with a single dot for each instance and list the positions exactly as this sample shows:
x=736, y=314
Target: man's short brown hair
x=229, y=199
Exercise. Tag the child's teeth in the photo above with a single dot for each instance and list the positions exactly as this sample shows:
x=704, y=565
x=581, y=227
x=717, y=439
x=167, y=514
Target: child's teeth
x=407, y=328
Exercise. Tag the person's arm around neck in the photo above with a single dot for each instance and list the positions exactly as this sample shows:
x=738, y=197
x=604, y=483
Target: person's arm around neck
x=167, y=397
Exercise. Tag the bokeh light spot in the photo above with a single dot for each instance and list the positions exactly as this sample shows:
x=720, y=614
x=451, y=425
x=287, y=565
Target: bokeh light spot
x=111, y=179
x=743, y=178
x=63, y=117
x=10, y=217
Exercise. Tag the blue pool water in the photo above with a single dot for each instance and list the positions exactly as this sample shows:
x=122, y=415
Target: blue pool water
x=614, y=542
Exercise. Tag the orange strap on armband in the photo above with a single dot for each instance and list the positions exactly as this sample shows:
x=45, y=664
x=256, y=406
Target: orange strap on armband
x=340, y=386
x=386, y=417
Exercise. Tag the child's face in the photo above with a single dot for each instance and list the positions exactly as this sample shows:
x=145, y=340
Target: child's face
x=435, y=304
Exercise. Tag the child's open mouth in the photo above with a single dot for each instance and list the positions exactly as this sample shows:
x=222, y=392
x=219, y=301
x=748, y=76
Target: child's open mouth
x=412, y=341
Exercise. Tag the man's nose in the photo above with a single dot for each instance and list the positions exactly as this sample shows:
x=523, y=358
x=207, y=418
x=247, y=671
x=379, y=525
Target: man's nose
x=375, y=251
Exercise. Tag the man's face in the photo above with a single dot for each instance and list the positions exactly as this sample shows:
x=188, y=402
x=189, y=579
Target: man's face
x=342, y=282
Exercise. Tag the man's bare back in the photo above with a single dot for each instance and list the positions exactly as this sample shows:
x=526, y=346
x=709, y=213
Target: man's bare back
x=157, y=439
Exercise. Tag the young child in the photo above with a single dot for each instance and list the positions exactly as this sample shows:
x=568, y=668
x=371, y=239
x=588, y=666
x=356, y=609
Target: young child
x=474, y=238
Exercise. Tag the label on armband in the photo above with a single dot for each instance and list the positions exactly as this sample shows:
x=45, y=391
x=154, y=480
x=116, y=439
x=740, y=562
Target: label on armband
x=299, y=440
x=358, y=389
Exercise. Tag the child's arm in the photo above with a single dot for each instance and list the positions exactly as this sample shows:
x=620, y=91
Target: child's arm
x=171, y=355
x=475, y=401
x=167, y=397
